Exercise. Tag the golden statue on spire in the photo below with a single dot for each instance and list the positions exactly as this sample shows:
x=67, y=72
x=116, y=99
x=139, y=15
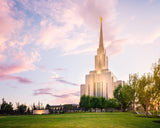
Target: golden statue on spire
x=101, y=18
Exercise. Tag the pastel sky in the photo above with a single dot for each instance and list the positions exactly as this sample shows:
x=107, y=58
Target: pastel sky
x=48, y=46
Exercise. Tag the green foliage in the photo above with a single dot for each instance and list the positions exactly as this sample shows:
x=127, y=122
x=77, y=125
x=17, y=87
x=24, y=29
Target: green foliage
x=102, y=102
x=28, y=111
x=85, y=102
x=6, y=108
x=156, y=77
x=133, y=83
x=112, y=103
x=145, y=91
x=95, y=102
x=82, y=101
x=34, y=107
x=21, y=108
x=88, y=102
x=48, y=107
x=124, y=96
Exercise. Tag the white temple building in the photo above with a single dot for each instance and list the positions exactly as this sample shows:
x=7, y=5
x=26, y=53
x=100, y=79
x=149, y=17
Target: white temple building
x=101, y=82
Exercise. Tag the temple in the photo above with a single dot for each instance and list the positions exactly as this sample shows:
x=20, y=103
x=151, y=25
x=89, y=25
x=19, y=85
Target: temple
x=101, y=82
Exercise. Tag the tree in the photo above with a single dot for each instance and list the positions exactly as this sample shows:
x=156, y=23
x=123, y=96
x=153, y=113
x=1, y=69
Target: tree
x=85, y=102
x=6, y=108
x=112, y=103
x=21, y=108
x=124, y=96
x=28, y=111
x=145, y=91
x=82, y=101
x=49, y=108
x=156, y=77
x=95, y=102
x=34, y=107
x=133, y=83
x=102, y=103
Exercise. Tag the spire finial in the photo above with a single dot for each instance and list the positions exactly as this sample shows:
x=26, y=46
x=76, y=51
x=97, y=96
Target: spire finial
x=101, y=19
x=101, y=36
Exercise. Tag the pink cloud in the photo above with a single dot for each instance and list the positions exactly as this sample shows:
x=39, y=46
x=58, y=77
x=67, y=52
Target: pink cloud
x=74, y=24
x=12, y=69
x=67, y=100
x=47, y=91
x=8, y=24
x=66, y=82
x=25, y=64
x=19, y=79
x=80, y=21
x=116, y=46
x=42, y=91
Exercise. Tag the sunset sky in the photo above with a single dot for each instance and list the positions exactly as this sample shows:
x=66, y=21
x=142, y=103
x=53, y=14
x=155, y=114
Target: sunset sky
x=48, y=46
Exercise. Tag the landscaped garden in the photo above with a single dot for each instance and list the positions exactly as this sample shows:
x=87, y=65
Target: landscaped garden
x=80, y=120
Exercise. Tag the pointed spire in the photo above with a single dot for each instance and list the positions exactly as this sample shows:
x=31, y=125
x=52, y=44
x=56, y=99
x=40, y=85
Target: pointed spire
x=101, y=46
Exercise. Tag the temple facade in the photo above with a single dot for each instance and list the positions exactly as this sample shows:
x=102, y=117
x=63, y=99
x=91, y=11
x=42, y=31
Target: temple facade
x=101, y=82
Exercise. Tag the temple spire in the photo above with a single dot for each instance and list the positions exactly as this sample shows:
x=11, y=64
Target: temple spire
x=101, y=46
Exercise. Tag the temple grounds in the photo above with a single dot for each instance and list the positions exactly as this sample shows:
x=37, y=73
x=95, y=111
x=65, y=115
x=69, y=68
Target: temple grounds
x=80, y=120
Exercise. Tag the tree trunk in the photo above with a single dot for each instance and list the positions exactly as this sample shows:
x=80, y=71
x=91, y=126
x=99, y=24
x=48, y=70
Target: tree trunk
x=157, y=105
x=134, y=106
x=121, y=108
x=146, y=110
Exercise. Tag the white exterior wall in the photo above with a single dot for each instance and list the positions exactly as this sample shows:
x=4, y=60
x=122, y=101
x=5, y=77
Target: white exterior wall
x=107, y=85
x=82, y=88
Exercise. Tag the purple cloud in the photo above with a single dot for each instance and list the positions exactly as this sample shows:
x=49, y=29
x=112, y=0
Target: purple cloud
x=66, y=82
x=46, y=91
x=18, y=78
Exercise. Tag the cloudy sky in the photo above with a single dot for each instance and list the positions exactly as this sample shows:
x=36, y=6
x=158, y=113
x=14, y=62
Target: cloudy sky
x=47, y=46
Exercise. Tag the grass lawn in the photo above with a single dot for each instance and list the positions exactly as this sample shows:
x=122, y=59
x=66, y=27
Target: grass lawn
x=79, y=120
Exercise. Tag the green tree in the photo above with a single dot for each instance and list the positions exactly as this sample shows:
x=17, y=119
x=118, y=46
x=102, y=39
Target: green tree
x=82, y=102
x=21, y=108
x=124, y=96
x=34, y=107
x=6, y=108
x=87, y=102
x=95, y=102
x=112, y=103
x=28, y=111
x=102, y=103
x=156, y=77
x=145, y=91
x=47, y=106
x=133, y=83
